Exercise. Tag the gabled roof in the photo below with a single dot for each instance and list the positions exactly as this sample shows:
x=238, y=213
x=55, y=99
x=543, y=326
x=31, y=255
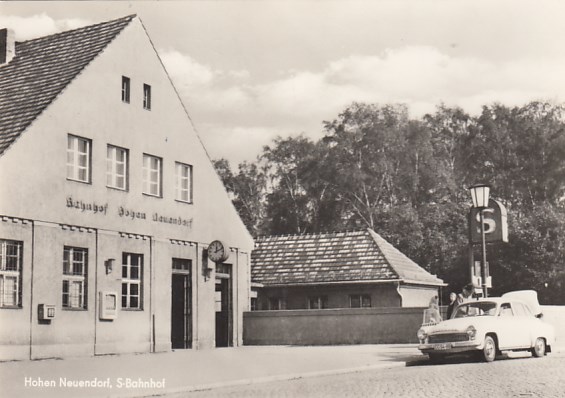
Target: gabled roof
x=42, y=68
x=346, y=257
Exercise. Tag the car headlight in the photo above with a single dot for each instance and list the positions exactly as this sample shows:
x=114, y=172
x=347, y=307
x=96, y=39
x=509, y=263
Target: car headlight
x=422, y=335
x=471, y=332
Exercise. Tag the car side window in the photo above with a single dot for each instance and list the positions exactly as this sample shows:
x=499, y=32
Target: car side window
x=506, y=310
x=519, y=308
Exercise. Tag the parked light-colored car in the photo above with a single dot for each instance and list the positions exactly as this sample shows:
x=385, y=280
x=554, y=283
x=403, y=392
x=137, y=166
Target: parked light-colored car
x=488, y=326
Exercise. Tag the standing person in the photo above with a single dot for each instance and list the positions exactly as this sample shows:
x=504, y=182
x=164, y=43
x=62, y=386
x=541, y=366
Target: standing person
x=452, y=304
x=466, y=294
x=433, y=310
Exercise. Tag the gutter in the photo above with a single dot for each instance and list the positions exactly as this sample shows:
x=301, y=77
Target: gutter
x=379, y=281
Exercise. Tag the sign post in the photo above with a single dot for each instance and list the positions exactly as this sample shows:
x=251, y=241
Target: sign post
x=486, y=225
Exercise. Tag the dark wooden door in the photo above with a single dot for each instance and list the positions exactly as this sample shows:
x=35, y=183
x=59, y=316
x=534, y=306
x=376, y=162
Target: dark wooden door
x=223, y=312
x=181, y=334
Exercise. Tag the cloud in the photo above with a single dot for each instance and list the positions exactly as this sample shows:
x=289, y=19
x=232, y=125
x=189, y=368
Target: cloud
x=186, y=72
x=227, y=105
x=237, y=143
x=231, y=106
x=26, y=28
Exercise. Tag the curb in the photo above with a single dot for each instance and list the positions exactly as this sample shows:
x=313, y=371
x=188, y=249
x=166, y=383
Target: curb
x=268, y=379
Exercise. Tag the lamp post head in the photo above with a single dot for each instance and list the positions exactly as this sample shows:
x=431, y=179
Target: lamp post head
x=480, y=195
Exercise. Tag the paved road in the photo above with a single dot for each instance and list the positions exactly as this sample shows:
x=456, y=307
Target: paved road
x=506, y=377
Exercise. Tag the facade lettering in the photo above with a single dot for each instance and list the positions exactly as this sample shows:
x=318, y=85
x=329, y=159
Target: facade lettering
x=87, y=206
x=126, y=213
x=172, y=220
x=123, y=212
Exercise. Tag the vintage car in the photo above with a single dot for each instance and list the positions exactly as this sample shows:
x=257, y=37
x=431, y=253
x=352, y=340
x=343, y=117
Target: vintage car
x=488, y=326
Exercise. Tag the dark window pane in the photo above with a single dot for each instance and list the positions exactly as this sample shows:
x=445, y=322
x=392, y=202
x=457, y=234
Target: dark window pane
x=134, y=272
x=133, y=302
x=134, y=289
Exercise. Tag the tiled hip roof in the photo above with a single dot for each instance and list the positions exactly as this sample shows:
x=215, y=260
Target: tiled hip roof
x=332, y=257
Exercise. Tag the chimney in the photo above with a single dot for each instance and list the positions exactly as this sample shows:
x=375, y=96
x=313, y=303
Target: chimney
x=7, y=46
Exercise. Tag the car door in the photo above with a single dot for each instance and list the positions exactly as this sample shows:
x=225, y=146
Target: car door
x=510, y=332
x=529, y=324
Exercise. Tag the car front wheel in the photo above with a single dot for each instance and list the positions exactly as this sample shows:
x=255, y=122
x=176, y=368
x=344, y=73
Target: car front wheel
x=489, y=349
x=538, y=349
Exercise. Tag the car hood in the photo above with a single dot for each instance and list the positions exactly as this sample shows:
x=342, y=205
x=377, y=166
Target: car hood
x=460, y=324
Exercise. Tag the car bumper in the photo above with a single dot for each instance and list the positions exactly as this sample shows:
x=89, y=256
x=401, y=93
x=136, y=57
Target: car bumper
x=450, y=348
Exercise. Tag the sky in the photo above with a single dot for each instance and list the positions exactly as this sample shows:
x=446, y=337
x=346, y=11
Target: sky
x=250, y=71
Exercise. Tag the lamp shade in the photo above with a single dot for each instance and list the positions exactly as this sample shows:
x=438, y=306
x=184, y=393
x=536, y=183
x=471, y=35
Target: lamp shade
x=480, y=195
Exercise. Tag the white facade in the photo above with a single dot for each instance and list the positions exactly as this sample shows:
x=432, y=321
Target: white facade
x=46, y=210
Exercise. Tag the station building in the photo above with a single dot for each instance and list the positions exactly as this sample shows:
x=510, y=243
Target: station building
x=116, y=234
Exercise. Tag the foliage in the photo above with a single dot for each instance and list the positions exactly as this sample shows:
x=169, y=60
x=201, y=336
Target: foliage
x=407, y=179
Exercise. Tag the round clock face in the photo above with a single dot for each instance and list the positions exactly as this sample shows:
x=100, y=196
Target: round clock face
x=217, y=251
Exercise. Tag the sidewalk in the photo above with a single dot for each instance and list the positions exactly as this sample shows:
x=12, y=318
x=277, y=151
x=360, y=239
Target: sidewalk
x=190, y=370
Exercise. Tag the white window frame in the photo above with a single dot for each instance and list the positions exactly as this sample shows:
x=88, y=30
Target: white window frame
x=10, y=279
x=129, y=279
x=126, y=89
x=152, y=177
x=146, y=96
x=183, y=182
x=74, y=156
x=112, y=164
x=75, y=299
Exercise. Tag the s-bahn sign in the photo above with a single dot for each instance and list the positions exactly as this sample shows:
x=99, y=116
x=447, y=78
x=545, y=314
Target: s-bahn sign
x=495, y=222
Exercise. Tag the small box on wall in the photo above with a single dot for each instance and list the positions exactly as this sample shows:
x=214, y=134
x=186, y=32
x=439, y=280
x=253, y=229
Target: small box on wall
x=46, y=312
x=108, y=305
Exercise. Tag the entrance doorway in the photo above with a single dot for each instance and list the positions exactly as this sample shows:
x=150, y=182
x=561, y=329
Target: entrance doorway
x=224, y=310
x=181, y=304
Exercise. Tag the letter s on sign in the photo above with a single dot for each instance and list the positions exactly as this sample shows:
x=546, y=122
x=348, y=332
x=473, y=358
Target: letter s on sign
x=490, y=223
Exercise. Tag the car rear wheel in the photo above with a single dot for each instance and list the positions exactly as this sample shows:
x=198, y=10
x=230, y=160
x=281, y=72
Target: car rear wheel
x=489, y=350
x=538, y=349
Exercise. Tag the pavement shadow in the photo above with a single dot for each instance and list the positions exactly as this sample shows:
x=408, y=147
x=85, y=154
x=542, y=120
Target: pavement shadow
x=456, y=359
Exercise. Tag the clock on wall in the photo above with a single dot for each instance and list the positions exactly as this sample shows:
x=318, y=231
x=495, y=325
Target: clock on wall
x=218, y=252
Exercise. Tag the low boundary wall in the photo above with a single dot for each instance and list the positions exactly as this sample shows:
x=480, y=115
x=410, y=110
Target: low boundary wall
x=332, y=326
x=352, y=326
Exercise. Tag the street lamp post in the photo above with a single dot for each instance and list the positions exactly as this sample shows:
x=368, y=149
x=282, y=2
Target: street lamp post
x=480, y=195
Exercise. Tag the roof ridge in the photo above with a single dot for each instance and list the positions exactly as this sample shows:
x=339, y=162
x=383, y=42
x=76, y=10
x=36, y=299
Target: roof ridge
x=314, y=233
x=70, y=31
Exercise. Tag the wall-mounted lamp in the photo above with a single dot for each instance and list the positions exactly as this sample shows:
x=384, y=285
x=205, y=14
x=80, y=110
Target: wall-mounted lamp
x=206, y=269
x=109, y=264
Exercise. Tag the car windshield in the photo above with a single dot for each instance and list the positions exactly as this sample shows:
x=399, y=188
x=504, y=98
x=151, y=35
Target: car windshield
x=475, y=309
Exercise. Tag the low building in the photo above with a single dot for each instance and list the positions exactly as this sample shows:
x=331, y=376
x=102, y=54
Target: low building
x=110, y=205
x=354, y=269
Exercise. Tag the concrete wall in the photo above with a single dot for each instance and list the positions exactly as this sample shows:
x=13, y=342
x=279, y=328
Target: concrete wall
x=352, y=326
x=555, y=315
x=335, y=326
